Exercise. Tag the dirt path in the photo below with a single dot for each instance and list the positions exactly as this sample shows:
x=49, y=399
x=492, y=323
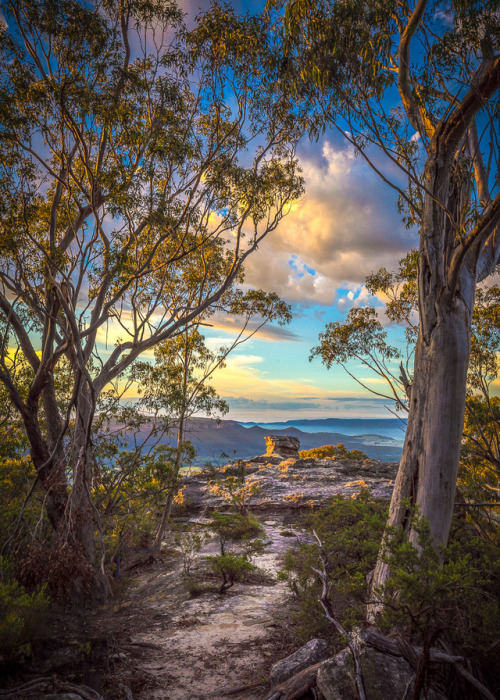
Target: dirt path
x=174, y=647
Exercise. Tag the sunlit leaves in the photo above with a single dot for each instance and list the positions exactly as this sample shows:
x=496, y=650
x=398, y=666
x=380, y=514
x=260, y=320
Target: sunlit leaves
x=361, y=334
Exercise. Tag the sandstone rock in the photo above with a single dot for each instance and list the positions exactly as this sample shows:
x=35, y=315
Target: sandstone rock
x=298, y=483
x=298, y=463
x=267, y=459
x=311, y=653
x=386, y=677
x=238, y=470
x=284, y=445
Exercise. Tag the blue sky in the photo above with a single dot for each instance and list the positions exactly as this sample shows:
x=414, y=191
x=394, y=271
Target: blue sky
x=344, y=227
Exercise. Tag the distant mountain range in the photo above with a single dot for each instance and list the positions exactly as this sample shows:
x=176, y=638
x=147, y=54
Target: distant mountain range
x=388, y=427
x=211, y=438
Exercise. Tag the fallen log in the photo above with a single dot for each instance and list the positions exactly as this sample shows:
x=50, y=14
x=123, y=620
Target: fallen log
x=390, y=646
x=50, y=684
x=298, y=685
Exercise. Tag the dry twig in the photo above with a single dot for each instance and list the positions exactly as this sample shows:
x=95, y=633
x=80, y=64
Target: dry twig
x=328, y=609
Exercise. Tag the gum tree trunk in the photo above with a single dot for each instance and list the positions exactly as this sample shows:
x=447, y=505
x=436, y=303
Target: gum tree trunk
x=80, y=513
x=451, y=263
x=428, y=469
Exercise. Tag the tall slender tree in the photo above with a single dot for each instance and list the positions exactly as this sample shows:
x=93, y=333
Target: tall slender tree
x=414, y=87
x=140, y=165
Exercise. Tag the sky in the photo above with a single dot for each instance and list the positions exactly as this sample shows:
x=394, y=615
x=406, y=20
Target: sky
x=344, y=227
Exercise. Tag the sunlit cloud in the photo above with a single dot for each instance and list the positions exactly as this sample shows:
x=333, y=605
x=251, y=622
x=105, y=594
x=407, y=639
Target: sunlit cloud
x=233, y=325
x=345, y=227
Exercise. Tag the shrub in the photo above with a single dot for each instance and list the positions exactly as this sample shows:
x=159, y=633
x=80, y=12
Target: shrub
x=232, y=567
x=234, y=527
x=237, y=490
x=20, y=620
x=59, y=566
x=338, y=451
x=190, y=542
x=351, y=531
x=452, y=594
x=194, y=586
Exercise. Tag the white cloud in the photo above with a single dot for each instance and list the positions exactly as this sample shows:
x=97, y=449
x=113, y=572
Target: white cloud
x=345, y=226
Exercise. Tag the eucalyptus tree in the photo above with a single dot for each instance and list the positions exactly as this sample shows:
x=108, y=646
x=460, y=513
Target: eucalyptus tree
x=363, y=336
x=414, y=87
x=178, y=383
x=141, y=164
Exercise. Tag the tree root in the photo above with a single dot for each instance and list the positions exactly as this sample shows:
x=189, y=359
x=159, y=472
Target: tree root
x=51, y=685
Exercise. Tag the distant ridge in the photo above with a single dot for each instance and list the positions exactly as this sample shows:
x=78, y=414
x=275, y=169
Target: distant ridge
x=211, y=438
x=389, y=427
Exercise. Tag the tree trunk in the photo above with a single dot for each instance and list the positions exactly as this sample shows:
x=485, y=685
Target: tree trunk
x=428, y=468
x=80, y=515
x=167, y=510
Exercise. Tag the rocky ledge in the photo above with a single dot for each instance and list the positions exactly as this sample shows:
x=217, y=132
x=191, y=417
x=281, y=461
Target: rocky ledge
x=274, y=482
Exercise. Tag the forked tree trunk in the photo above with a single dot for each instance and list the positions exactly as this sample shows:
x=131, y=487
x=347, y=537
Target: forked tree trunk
x=451, y=262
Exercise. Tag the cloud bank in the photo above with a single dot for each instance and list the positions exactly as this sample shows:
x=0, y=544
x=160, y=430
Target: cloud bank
x=345, y=227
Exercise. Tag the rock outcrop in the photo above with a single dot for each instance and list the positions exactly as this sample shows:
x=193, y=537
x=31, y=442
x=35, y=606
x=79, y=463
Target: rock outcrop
x=294, y=483
x=313, y=652
x=282, y=446
x=385, y=677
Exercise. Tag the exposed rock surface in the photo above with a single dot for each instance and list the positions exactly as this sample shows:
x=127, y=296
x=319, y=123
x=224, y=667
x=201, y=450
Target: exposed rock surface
x=311, y=653
x=295, y=483
x=386, y=677
x=282, y=445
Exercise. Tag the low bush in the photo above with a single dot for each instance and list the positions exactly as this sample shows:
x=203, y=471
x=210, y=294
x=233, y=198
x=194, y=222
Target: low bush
x=338, y=451
x=234, y=527
x=351, y=532
x=21, y=616
x=449, y=596
x=232, y=567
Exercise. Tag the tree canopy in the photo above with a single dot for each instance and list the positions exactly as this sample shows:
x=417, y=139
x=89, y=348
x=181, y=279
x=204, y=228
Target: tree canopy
x=414, y=88
x=141, y=163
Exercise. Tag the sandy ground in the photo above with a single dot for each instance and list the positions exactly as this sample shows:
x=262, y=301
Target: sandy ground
x=174, y=647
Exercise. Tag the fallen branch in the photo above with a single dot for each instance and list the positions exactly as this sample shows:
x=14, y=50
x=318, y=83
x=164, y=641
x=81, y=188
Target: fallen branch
x=232, y=690
x=145, y=645
x=145, y=561
x=298, y=685
x=50, y=684
x=327, y=607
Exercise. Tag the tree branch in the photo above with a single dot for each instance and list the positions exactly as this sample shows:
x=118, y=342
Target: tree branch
x=417, y=116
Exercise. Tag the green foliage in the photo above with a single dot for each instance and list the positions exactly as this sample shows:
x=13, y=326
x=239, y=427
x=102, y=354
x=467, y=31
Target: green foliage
x=351, y=532
x=190, y=542
x=129, y=491
x=21, y=616
x=21, y=502
x=453, y=593
x=234, y=528
x=362, y=337
x=206, y=154
x=236, y=489
x=232, y=567
x=338, y=451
